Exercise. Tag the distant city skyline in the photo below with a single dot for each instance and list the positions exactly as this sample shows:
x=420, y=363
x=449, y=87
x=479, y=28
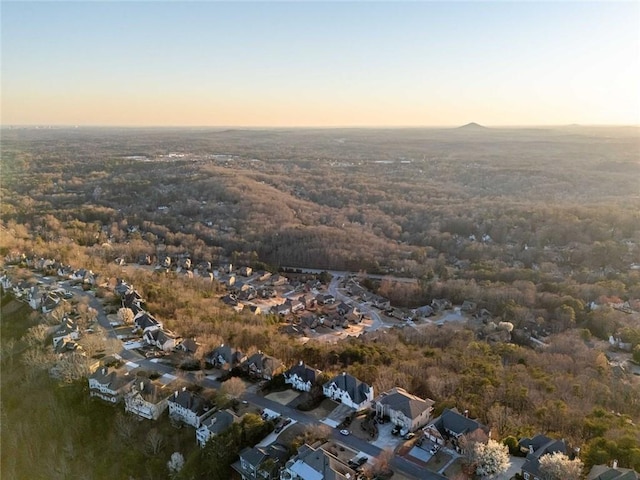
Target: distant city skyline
x=320, y=64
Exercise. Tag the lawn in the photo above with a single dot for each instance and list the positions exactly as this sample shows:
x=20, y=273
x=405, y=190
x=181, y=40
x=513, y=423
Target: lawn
x=438, y=461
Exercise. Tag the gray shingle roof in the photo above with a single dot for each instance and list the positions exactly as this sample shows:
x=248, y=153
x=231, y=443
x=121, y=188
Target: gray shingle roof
x=410, y=405
x=356, y=389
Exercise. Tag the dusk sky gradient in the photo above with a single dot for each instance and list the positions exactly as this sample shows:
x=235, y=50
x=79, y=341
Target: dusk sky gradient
x=320, y=63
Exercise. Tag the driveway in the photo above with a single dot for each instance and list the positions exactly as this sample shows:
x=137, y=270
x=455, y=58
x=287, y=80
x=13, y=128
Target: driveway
x=516, y=467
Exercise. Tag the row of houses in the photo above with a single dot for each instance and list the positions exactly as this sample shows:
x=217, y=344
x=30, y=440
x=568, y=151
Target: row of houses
x=149, y=399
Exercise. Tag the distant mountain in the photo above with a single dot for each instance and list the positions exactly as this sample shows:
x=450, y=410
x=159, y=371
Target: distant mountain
x=472, y=126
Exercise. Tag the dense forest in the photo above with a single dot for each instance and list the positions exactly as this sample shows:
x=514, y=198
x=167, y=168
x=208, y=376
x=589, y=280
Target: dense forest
x=541, y=227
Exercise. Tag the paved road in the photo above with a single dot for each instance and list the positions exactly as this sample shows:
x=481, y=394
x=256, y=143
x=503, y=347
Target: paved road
x=376, y=321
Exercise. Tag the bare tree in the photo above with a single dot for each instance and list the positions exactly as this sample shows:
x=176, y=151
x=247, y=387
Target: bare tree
x=154, y=442
x=381, y=463
x=234, y=387
x=316, y=432
x=36, y=335
x=125, y=428
x=125, y=315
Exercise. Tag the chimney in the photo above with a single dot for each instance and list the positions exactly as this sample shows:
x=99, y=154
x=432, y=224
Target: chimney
x=530, y=448
x=184, y=389
x=615, y=464
x=300, y=363
x=344, y=374
x=175, y=394
x=466, y=413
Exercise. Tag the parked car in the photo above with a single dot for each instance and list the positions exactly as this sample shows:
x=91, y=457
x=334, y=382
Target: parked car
x=344, y=431
x=409, y=436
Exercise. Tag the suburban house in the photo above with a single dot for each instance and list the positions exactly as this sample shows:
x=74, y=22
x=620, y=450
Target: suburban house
x=316, y=464
x=144, y=322
x=278, y=280
x=301, y=377
x=296, y=305
x=48, y=303
x=325, y=299
x=261, y=463
x=68, y=330
x=131, y=298
x=189, y=408
x=343, y=308
x=308, y=300
x=263, y=276
x=225, y=357
x=407, y=411
x=188, y=345
x=381, y=302
x=451, y=425
x=263, y=366
x=424, y=312
x=147, y=398
x=604, y=472
x=283, y=309
x=440, y=304
x=348, y=390
x=215, y=425
x=536, y=448
x=109, y=384
x=160, y=339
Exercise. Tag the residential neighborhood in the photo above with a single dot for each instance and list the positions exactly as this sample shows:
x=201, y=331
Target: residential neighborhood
x=424, y=444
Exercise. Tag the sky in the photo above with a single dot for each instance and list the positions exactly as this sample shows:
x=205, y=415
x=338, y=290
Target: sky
x=329, y=63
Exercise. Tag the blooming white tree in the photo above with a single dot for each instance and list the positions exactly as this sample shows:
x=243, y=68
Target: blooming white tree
x=491, y=458
x=557, y=466
x=175, y=464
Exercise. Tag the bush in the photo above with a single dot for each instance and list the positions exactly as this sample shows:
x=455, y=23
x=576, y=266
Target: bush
x=512, y=444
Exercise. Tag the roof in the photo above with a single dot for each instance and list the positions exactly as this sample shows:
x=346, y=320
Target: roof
x=356, y=389
x=459, y=424
x=219, y=421
x=254, y=456
x=541, y=446
x=263, y=362
x=604, y=472
x=190, y=401
x=317, y=464
x=400, y=400
x=190, y=345
x=305, y=373
x=114, y=378
x=144, y=320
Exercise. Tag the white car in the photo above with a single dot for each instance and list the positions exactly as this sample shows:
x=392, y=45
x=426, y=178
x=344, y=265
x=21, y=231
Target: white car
x=345, y=432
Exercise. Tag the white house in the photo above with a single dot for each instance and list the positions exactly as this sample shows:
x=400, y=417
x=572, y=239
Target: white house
x=109, y=384
x=349, y=390
x=144, y=322
x=407, y=411
x=301, y=377
x=188, y=407
x=68, y=330
x=160, y=339
x=315, y=464
x=147, y=399
x=214, y=425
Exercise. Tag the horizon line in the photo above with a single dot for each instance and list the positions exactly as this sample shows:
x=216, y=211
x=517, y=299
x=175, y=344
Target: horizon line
x=326, y=127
